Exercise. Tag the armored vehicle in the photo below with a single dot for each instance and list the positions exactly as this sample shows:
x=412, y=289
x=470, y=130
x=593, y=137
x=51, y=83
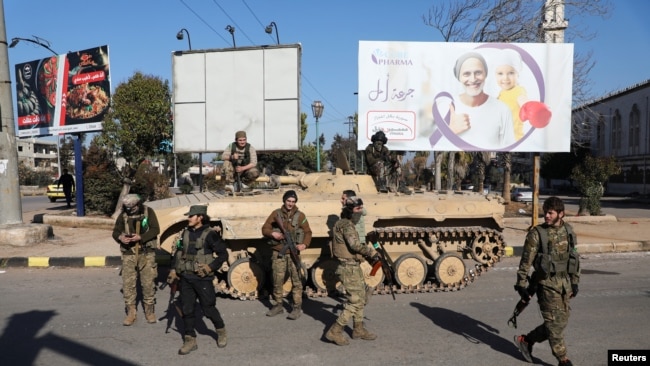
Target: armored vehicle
x=438, y=241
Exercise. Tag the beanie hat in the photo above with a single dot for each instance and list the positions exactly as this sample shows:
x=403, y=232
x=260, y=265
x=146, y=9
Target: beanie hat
x=240, y=134
x=131, y=200
x=352, y=202
x=465, y=57
x=288, y=194
x=508, y=57
x=379, y=136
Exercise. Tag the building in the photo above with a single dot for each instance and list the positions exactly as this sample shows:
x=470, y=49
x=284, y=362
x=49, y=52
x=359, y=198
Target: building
x=619, y=126
x=38, y=154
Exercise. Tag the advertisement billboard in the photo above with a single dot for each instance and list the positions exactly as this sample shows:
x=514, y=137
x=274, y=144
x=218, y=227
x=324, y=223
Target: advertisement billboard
x=466, y=96
x=68, y=93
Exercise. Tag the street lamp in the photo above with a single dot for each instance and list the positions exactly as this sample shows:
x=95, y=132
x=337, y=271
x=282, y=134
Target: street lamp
x=317, y=109
x=269, y=30
x=179, y=36
x=37, y=40
x=45, y=44
x=231, y=30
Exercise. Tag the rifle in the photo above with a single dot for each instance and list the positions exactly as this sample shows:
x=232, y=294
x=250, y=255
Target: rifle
x=386, y=265
x=236, y=163
x=522, y=304
x=289, y=246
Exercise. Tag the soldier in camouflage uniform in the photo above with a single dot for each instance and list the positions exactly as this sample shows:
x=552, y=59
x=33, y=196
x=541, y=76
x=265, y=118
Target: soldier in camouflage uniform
x=349, y=251
x=296, y=224
x=240, y=157
x=136, y=230
x=556, y=273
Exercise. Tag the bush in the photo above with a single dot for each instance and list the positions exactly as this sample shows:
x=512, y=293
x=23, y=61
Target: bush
x=150, y=184
x=102, y=182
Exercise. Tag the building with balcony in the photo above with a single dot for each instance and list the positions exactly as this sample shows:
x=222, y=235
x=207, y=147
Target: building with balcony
x=38, y=154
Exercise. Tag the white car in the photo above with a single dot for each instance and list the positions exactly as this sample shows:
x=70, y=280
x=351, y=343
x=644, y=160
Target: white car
x=521, y=194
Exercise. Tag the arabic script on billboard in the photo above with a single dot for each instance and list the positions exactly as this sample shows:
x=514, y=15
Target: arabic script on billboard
x=68, y=93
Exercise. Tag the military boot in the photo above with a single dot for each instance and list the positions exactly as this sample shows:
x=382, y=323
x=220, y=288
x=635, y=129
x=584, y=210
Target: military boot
x=276, y=309
x=382, y=185
x=189, y=345
x=295, y=313
x=335, y=334
x=359, y=332
x=131, y=315
x=149, y=313
x=222, y=337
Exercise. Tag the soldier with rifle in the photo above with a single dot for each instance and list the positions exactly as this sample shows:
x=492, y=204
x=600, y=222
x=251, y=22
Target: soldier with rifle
x=289, y=233
x=384, y=165
x=550, y=248
x=349, y=252
x=239, y=163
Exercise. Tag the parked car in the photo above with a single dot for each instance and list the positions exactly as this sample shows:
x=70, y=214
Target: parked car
x=54, y=193
x=521, y=194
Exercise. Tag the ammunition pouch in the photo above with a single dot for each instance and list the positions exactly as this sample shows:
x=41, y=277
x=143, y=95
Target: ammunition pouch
x=543, y=264
x=574, y=263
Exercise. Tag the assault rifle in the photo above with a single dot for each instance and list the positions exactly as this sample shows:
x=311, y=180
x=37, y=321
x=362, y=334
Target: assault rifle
x=289, y=246
x=522, y=304
x=386, y=265
x=235, y=164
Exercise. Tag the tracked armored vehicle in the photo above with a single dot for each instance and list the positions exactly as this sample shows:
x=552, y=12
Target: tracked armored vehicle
x=438, y=241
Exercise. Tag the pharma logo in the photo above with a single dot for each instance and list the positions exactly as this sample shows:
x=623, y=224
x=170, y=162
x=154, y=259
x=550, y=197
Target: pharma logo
x=391, y=58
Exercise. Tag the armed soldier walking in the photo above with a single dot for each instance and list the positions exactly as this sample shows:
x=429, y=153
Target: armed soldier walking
x=349, y=251
x=550, y=248
x=136, y=230
x=295, y=223
x=194, y=266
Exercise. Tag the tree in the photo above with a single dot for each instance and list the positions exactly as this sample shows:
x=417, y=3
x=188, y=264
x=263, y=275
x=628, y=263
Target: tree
x=517, y=21
x=590, y=176
x=138, y=123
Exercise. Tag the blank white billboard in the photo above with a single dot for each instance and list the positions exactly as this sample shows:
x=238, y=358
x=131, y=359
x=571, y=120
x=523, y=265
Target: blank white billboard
x=221, y=91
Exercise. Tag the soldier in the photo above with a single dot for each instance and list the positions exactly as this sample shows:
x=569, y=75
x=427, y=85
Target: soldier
x=349, y=252
x=240, y=158
x=296, y=224
x=383, y=165
x=361, y=222
x=136, y=231
x=550, y=248
x=195, y=264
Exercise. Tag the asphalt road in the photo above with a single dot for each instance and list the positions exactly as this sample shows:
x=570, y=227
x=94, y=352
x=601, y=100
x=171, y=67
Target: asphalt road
x=74, y=317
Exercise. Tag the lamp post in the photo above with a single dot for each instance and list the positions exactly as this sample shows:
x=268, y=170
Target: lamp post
x=179, y=36
x=317, y=109
x=45, y=44
x=269, y=30
x=231, y=30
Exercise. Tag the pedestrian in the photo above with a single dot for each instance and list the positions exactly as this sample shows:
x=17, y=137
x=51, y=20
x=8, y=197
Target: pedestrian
x=550, y=248
x=198, y=255
x=296, y=225
x=349, y=252
x=240, y=159
x=360, y=221
x=67, y=181
x=136, y=231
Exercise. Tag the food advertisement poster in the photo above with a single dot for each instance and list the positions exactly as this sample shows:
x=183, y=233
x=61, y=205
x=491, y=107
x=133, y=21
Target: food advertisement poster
x=68, y=93
x=430, y=96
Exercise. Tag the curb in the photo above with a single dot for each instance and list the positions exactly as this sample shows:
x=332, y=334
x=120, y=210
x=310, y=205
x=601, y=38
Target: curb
x=72, y=262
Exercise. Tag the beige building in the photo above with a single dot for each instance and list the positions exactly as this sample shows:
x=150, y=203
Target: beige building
x=38, y=154
x=619, y=126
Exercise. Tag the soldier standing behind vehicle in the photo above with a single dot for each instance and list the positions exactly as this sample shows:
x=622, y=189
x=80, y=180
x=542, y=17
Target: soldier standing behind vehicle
x=296, y=224
x=67, y=181
x=551, y=249
x=349, y=252
x=194, y=266
x=240, y=158
x=360, y=220
x=136, y=230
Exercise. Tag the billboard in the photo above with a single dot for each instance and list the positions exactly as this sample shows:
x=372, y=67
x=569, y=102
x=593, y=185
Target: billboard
x=68, y=93
x=466, y=96
x=218, y=92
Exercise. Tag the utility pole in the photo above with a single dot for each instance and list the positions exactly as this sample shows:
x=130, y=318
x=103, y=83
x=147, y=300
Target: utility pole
x=553, y=26
x=350, y=124
x=11, y=212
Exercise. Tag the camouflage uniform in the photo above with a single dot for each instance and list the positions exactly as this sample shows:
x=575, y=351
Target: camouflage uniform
x=347, y=248
x=554, y=290
x=284, y=266
x=140, y=258
x=247, y=155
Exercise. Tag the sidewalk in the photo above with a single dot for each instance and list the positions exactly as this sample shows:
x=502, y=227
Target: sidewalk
x=87, y=241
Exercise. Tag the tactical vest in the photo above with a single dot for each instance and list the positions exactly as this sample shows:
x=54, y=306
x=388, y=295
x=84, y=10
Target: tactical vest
x=143, y=219
x=551, y=264
x=247, y=154
x=341, y=250
x=297, y=233
x=185, y=262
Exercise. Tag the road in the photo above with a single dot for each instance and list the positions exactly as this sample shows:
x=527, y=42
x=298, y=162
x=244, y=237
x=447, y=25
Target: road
x=71, y=316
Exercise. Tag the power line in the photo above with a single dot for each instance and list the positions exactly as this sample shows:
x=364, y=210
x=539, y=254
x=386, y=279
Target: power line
x=204, y=22
x=234, y=22
x=256, y=18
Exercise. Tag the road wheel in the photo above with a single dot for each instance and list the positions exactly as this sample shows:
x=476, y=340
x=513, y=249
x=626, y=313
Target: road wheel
x=449, y=269
x=371, y=281
x=410, y=270
x=323, y=275
x=245, y=277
